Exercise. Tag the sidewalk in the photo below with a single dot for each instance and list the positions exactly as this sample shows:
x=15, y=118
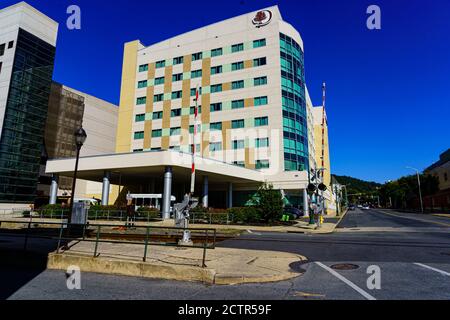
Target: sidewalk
x=223, y=265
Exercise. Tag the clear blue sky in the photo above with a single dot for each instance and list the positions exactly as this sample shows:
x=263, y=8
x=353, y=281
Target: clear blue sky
x=388, y=90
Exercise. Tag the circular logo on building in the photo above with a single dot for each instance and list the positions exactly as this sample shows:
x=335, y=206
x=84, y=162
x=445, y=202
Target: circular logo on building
x=262, y=18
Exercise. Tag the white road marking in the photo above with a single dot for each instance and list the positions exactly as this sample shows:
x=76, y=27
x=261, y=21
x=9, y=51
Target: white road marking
x=431, y=268
x=346, y=281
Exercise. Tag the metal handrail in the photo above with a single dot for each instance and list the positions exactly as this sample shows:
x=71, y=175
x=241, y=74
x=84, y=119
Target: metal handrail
x=65, y=226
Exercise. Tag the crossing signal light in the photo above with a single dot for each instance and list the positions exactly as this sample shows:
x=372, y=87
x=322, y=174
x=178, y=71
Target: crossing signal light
x=322, y=187
x=311, y=187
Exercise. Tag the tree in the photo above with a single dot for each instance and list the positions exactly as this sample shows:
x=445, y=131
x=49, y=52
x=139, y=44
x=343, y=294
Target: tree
x=270, y=202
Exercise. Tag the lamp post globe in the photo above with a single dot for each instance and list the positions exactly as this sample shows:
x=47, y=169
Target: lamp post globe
x=80, y=138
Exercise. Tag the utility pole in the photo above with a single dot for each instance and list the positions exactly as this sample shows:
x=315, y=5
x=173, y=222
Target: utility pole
x=420, y=191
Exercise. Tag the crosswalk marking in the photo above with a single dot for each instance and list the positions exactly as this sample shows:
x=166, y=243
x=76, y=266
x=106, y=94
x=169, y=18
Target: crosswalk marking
x=431, y=268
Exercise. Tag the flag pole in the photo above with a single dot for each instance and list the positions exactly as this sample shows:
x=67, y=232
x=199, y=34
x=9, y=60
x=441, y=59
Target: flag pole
x=194, y=135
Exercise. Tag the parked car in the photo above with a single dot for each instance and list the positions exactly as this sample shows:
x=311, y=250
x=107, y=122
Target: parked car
x=351, y=207
x=297, y=213
x=360, y=206
x=366, y=207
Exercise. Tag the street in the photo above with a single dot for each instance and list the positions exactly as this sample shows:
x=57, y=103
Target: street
x=412, y=253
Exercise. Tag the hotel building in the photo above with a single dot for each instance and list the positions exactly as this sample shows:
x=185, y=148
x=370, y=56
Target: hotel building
x=255, y=117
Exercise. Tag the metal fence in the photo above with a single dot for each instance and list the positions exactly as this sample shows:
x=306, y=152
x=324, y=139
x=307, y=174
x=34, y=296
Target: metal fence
x=203, y=238
x=211, y=218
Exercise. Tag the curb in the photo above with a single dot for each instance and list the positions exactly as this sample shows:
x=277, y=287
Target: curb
x=59, y=261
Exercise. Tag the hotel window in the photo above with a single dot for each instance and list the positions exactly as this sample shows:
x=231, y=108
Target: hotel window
x=159, y=80
x=156, y=149
x=157, y=115
x=237, y=124
x=174, y=148
x=237, y=104
x=237, y=84
x=158, y=97
x=160, y=64
x=197, y=56
x=195, y=89
x=237, y=47
x=196, y=74
x=175, y=131
x=175, y=113
x=262, y=164
x=143, y=67
x=216, y=52
x=156, y=133
x=259, y=62
x=261, y=121
x=139, y=117
x=1, y=63
x=259, y=43
x=138, y=150
x=260, y=101
x=177, y=60
x=191, y=129
x=238, y=144
x=192, y=110
x=216, y=88
x=237, y=66
x=142, y=84
x=2, y=49
x=139, y=135
x=215, y=126
x=141, y=100
x=215, y=146
x=10, y=44
x=260, y=81
x=216, y=70
x=239, y=163
x=262, y=142
x=215, y=107
x=177, y=77
x=176, y=95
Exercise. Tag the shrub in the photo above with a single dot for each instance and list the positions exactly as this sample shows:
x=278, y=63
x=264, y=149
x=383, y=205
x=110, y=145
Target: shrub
x=270, y=203
x=245, y=214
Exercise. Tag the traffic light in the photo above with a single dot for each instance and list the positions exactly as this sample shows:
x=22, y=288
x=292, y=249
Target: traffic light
x=311, y=187
x=322, y=187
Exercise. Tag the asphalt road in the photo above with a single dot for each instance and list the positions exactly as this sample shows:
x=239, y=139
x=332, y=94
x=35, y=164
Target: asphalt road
x=411, y=252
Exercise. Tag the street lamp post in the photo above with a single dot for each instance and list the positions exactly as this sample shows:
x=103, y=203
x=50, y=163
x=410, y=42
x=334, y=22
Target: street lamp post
x=80, y=137
x=420, y=191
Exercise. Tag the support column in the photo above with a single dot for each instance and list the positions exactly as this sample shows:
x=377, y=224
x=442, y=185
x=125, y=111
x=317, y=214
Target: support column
x=230, y=195
x=54, y=189
x=105, y=188
x=167, y=193
x=305, y=203
x=205, y=191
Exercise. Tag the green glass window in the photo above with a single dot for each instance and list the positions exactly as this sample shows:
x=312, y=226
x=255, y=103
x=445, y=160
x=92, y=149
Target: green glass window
x=237, y=84
x=215, y=107
x=191, y=129
x=216, y=70
x=238, y=144
x=216, y=88
x=139, y=117
x=175, y=112
x=239, y=163
x=262, y=164
x=139, y=135
x=156, y=133
x=160, y=64
x=259, y=62
x=177, y=77
x=177, y=60
x=157, y=115
x=195, y=89
x=143, y=67
x=175, y=131
x=237, y=104
x=260, y=81
x=215, y=146
x=158, y=97
x=174, y=148
x=262, y=142
x=196, y=74
x=237, y=47
x=259, y=43
x=260, y=101
x=197, y=56
x=176, y=95
x=237, y=66
x=261, y=121
x=142, y=84
x=192, y=110
x=215, y=126
x=236, y=124
x=141, y=100
x=159, y=80
x=216, y=52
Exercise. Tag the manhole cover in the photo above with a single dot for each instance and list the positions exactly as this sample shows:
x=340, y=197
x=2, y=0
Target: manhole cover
x=344, y=266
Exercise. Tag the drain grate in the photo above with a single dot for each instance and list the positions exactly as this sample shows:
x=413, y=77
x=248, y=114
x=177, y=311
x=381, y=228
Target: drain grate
x=344, y=266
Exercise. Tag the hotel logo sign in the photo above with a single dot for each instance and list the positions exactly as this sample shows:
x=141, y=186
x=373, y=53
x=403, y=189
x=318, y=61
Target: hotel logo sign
x=262, y=18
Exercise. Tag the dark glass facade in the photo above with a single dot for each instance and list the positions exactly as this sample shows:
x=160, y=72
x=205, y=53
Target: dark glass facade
x=22, y=134
x=295, y=131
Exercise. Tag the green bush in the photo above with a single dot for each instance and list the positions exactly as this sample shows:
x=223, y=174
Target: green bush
x=245, y=214
x=270, y=203
x=148, y=212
